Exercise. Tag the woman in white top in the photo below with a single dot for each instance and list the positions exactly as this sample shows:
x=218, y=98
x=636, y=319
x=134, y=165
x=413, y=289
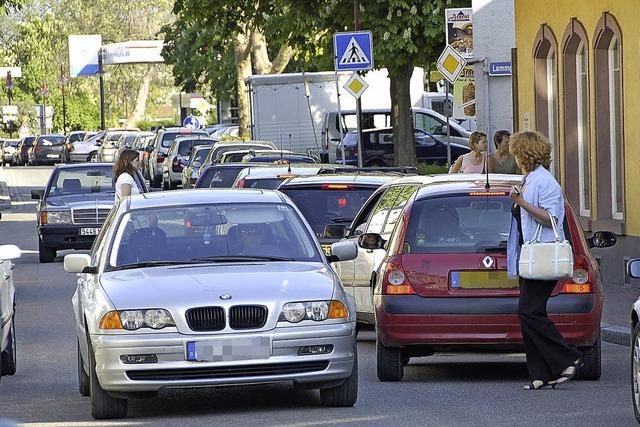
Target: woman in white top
x=473, y=162
x=123, y=171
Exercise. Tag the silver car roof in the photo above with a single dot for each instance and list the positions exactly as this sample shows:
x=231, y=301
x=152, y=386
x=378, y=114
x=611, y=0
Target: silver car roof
x=203, y=196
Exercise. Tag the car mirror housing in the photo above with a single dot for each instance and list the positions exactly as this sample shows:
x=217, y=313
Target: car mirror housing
x=37, y=194
x=196, y=164
x=8, y=252
x=602, y=239
x=371, y=241
x=332, y=231
x=633, y=268
x=76, y=263
x=343, y=251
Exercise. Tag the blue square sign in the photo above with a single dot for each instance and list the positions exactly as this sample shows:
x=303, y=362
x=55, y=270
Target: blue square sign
x=353, y=51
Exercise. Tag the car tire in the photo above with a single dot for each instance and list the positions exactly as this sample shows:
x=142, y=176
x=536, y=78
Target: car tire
x=103, y=405
x=388, y=362
x=165, y=185
x=173, y=186
x=346, y=394
x=9, y=355
x=45, y=255
x=591, y=362
x=635, y=371
x=84, y=386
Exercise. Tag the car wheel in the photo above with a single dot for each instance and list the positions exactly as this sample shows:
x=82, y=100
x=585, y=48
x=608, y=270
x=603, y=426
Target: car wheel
x=635, y=371
x=9, y=355
x=103, y=405
x=346, y=394
x=173, y=186
x=165, y=185
x=45, y=254
x=84, y=387
x=591, y=363
x=388, y=362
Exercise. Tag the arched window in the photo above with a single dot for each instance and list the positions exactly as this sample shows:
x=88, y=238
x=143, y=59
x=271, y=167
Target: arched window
x=577, y=164
x=609, y=118
x=545, y=74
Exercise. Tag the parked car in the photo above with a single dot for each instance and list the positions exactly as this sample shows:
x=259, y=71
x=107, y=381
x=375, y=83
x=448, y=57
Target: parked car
x=633, y=270
x=219, y=148
x=110, y=144
x=238, y=156
x=158, y=151
x=87, y=149
x=8, y=148
x=191, y=172
x=377, y=148
x=46, y=149
x=231, y=131
x=210, y=129
x=178, y=157
x=73, y=206
x=326, y=200
x=155, y=275
x=21, y=156
x=222, y=175
x=72, y=137
x=8, y=348
x=272, y=176
x=437, y=251
x=280, y=157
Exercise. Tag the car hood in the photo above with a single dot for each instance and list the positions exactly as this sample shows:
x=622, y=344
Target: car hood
x=178, y=288
x=76, y=201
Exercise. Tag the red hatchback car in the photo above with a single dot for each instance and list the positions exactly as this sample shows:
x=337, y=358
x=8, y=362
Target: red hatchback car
x=443, y=283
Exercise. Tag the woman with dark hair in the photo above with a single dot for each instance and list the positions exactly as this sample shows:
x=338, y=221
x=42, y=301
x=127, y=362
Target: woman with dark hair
x=501, y=161
x=124, y=169
x=550, y=360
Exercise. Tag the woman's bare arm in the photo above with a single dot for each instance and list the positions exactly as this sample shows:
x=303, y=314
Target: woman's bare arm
x=456, y=166
x=126, y=190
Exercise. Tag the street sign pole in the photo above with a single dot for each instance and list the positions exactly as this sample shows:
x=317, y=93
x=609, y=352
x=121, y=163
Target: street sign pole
x=448, y=111
x=344, y=162
x=64, y=104
x=356, y=19
x=101, y=75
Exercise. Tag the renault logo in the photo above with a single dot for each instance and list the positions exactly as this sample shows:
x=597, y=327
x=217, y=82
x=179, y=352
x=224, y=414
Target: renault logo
x=488, y=262
x=225, y=296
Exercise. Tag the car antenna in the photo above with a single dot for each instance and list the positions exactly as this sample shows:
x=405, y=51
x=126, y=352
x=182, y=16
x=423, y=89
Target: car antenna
x=487, y=186
x=289, y=160
x=281, y=146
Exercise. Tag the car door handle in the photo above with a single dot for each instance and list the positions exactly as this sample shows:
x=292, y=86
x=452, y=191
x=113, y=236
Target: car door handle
x=369, y=251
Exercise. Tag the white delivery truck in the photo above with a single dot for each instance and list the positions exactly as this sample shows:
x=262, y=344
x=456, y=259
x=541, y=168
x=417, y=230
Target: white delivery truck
x=289, y=109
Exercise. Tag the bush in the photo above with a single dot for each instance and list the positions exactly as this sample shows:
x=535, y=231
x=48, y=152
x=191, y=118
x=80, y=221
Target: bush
x=432, y=169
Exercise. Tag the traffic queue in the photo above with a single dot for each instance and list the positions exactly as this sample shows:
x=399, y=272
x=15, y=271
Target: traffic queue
x=261, y=267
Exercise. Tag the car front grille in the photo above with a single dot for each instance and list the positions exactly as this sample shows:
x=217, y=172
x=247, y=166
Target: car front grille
x=206, y=319
x=247, y=316
x=226, y=371
x=89, y=216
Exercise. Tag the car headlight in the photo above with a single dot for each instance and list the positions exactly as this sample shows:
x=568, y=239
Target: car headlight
x=295, y=312
x=56, y=217
x=131, y=320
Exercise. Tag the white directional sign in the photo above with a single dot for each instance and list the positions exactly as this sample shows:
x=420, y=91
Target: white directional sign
x=133, y=52
x=353, y=51
x=356, y=85
x=83, y=55
x=450, y=64
x=15, y=72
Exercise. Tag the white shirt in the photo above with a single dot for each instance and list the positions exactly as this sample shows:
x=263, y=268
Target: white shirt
x=125, y=178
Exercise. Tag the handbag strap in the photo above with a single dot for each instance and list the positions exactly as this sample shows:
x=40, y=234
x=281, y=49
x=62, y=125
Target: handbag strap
x=538, y=233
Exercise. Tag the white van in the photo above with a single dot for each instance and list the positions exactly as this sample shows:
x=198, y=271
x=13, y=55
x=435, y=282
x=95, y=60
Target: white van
x=423, y=118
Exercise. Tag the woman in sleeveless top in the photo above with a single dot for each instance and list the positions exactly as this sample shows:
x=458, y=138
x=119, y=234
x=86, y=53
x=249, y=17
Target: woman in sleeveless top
x=473, y=162
x=502, y=161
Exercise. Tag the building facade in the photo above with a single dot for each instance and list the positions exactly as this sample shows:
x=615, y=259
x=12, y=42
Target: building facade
x=574, y=79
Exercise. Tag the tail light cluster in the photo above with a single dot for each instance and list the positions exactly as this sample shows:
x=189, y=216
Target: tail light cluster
x=160, y=158
x=395, y=281
x=579, y=282
x=176, y=166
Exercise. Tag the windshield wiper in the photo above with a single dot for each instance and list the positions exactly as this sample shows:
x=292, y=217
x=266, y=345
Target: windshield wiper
x=144, y=264
x=501, y=247
x=239, y=258
x=341, y=219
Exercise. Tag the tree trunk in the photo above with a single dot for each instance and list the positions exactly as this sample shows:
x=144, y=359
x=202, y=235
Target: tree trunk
x=260, y=55
x=243, y=70
x=141, y=99
x=401, y=117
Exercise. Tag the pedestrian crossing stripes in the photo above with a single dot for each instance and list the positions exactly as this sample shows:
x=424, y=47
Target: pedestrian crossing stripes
x=354, y=54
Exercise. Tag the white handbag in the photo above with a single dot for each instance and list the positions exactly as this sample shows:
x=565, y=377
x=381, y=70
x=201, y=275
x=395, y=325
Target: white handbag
x=546, y=260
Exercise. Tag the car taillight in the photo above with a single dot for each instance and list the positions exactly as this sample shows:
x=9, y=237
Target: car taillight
x=579, y=282
x=395, y=282
x=336, y=186
x=176, y=166
x=160, y=158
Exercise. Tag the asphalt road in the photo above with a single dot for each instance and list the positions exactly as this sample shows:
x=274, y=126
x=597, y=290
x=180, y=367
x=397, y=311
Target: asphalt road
x=442, y=390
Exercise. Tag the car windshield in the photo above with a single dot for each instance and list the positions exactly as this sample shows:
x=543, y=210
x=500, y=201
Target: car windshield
x=11, y=143
x=81, y=181
x=51, y=140
x=185, y=147
x=113, y=137
x=28, y=141
x=212, y=233
x=169, y=137
x=76, y=137
x=459, y=224
x=321, y=207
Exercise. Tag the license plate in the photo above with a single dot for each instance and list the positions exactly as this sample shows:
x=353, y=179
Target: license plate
x=89, y=231
x=229, y=349
x=494, y=279
x=326, y=249
x=52, y=156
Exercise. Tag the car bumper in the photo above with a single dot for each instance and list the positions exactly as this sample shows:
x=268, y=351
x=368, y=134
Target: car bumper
x=66, y=236
x=173, y=370
x=414, y=320
x=79, y=157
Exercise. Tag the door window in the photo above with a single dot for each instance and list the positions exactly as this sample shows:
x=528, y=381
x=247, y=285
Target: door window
x=359, y=223
x=403, y=194
x=429, y=123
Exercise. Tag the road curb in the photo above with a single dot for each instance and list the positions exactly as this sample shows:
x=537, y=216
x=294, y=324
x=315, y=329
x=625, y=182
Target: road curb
x=5, y=198
x=620, y=335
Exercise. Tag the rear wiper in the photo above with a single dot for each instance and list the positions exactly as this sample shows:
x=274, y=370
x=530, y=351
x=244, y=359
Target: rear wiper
x=501, y=247
x=239, y=258
x=145, y=264
x=341, y=219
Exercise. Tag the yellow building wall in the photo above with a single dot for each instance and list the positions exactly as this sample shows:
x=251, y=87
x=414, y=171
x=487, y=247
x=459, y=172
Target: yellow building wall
x=556, y=14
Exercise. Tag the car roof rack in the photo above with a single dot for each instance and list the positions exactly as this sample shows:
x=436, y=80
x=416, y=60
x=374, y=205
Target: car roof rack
x=404, y=170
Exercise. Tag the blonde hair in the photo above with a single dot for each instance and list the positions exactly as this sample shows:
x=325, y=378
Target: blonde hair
x=532, y=149
x=475, y=138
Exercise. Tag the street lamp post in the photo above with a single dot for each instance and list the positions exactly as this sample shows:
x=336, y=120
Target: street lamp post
x=9, y=84
x=356, y=24
x=63, y=82
x=101, y=75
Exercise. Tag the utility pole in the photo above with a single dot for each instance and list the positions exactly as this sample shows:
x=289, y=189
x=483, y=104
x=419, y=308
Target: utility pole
x=63, y=82
x=101, y=75
x=356, y=23
x=9, y=84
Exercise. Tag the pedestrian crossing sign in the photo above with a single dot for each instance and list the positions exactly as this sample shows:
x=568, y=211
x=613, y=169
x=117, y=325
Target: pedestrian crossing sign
x=353, y=51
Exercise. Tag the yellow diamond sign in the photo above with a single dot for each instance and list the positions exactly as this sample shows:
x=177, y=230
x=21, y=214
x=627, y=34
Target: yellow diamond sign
x=356, y=85
x=451, y=63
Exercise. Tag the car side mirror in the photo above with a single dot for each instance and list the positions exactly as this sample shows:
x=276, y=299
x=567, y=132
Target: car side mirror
x=343, y=251
x=444, y=129
x=633, y=268
x=37, y=194
x=8, y=252
x=602, y=239
x=77, y=263
x=333, y=231
x=196, y=163
x=371, y=241
x=149, y=149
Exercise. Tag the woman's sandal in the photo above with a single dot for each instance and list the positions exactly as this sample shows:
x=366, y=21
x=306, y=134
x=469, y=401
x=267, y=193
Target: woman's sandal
x=568, y=373
x=537, y=385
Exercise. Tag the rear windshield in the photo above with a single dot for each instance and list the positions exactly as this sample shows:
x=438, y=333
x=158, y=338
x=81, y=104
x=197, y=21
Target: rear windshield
x=51, y=140
x=263, y=183
x=322, y=207
x=185, y=147
x=169, y=137
x=11, y=143
x=218, y=178
x=201, y=154
x=76, y=137
x=459, y=224
x=28, y=141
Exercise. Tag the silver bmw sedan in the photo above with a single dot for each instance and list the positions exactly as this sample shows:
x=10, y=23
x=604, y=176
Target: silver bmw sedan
x=207, y=288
